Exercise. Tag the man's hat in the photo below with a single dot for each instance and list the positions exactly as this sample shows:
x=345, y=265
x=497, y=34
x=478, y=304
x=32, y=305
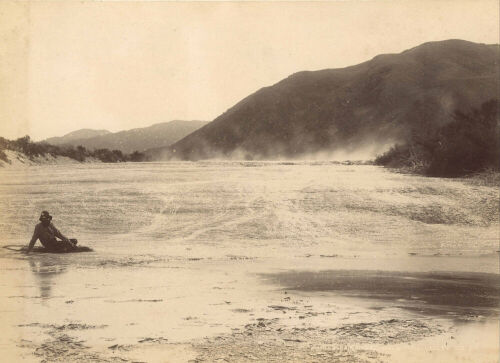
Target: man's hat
x=45, y=216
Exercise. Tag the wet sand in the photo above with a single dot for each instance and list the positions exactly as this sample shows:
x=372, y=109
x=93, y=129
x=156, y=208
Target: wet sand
x=214, y=263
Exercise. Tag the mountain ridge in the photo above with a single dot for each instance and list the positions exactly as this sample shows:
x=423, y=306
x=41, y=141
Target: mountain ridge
x=138, y=139
x=378, y=101
x=75, y=135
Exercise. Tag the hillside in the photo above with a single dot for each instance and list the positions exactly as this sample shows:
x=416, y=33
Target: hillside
x=140, y=139
x=75, y=135
x=15, y=159
x=375, y=103
x=23, y=151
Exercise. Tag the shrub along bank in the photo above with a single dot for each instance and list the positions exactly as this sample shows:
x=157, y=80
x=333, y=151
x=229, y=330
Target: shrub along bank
x=467, y=145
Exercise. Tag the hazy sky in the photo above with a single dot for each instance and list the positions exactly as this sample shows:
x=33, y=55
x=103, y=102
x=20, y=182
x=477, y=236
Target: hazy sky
x=119, y=65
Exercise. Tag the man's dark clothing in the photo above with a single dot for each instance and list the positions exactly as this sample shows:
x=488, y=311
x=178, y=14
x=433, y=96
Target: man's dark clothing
x=47, y=236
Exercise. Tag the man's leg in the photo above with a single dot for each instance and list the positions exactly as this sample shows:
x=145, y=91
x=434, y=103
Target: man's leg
x=63, y=246
x=56, y=247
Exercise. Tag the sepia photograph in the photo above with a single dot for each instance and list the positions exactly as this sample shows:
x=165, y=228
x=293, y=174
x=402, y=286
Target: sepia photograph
x=250, y=181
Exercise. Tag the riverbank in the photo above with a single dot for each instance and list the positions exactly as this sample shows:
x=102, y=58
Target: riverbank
x=486, y=178
x=16, y=159
x=26, y=152
x=489, y=178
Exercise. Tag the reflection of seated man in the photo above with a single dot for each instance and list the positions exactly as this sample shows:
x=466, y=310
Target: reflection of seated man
x=47, y=233
x=45, y=271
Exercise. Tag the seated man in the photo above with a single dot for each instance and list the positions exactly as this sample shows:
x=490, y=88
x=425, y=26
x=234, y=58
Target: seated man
x=47, y=233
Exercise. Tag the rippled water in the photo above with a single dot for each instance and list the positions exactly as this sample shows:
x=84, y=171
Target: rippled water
x=224, y=203
x=171, y=235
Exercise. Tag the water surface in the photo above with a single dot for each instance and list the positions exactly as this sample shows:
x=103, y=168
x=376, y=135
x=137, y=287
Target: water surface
x=180, y=248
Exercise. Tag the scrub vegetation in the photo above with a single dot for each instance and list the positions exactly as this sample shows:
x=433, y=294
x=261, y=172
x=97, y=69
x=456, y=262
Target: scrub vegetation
x=468, y=145
x=80, y=153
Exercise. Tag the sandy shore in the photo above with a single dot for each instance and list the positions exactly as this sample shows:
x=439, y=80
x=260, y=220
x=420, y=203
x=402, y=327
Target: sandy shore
x=16, y=160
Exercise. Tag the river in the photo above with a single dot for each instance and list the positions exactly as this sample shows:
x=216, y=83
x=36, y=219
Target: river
x=190, y=254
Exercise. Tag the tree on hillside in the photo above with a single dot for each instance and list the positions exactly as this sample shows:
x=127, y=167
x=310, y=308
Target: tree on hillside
x=137, y=156
x=4, y=143
x=22, y=144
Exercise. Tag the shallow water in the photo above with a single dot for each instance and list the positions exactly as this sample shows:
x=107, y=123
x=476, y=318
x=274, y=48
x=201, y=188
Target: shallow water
x=179, y=248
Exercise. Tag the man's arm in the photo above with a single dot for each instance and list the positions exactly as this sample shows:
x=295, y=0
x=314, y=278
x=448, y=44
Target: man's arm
x=33, y=239
x=57, y=233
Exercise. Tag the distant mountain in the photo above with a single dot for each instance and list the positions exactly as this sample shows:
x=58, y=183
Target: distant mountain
x=140, y=139
x=373, y=103
x=75, y=135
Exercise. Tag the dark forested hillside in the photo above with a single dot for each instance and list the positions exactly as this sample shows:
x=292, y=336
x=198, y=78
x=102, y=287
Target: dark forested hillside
x=380, y=101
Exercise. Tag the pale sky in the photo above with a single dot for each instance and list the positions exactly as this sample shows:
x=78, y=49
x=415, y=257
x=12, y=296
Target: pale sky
x=120, y=65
